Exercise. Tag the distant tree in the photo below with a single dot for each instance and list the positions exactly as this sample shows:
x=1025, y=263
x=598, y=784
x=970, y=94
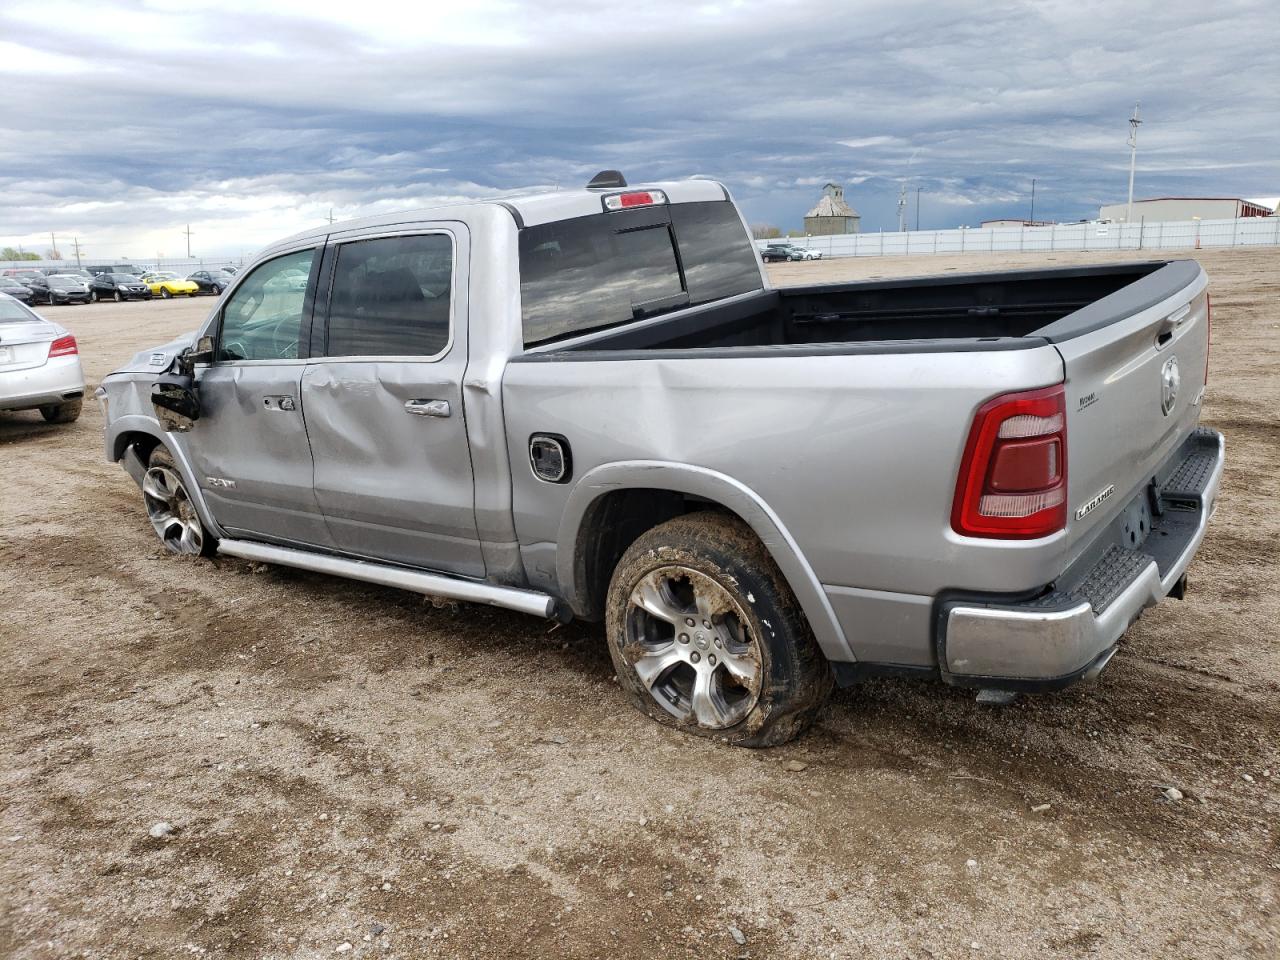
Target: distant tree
x=53, y=253
x=8, y=253
x=765, y=231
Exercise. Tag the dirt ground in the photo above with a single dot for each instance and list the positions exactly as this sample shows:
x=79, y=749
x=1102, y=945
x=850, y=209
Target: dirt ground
x=350, y=770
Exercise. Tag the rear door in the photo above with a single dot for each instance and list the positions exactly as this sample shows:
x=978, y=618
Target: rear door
x=383, y=401
x=249, y=448
x=1134, y=390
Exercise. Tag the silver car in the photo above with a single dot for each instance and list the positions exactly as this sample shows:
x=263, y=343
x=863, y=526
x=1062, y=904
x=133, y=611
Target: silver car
x=39, y=364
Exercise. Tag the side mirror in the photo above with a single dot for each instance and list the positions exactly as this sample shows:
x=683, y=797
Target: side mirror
x=175, y=401
x=202, y=352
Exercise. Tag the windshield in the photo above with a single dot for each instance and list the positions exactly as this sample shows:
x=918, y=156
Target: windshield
x=164, y=276
x=123, y=277
x=62, y=280
x=609, y=268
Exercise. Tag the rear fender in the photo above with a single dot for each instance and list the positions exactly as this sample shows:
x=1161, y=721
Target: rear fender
x=717, y=488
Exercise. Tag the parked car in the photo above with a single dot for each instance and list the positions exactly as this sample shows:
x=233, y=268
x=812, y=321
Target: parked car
x=808, y=253
x=592, y=403
x=66, y=271
x=19, y=291
x=169, y=285
x=39, y=364
x=128, y=268
x=23, y=274
x=211, y=281
x=780, y=251
x=118, y=287
x=55, y=288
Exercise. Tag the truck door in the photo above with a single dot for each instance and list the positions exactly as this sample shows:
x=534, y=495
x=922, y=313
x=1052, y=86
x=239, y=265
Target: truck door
x=249, y=448
x=383, y=399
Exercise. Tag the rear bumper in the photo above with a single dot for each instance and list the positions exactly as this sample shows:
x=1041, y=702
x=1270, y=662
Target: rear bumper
x=56, y=381
x=1071, y=632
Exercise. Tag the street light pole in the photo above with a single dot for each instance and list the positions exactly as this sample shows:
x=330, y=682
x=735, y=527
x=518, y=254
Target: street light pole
x=1033, y=201
x=918, y=189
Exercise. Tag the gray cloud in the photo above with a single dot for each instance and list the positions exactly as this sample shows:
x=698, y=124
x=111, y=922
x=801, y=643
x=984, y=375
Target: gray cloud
x=251, y=123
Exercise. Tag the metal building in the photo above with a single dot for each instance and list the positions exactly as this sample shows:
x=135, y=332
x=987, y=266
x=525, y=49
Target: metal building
x=1166, y=209
x=831, y=215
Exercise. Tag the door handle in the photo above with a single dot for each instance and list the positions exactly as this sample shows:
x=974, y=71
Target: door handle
x=427, y=408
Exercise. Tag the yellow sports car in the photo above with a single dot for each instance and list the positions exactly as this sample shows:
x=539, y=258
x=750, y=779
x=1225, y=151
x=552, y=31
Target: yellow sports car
x=170, y=285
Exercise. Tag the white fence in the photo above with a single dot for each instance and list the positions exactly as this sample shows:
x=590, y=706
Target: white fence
x=179, y=265
x=1247, y=231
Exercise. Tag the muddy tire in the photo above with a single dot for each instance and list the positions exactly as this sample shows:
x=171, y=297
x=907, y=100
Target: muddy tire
x=68, y=412
x=170, y=510
x=706, y=636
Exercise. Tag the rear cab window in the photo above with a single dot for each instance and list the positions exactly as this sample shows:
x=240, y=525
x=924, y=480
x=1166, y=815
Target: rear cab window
x=391, y=297
x=598, y=271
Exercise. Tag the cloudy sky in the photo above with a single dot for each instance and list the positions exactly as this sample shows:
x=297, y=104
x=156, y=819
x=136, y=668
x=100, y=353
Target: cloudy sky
x=120, y=123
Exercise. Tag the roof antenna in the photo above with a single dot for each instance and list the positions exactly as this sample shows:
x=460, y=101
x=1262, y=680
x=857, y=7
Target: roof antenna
x=607, y=179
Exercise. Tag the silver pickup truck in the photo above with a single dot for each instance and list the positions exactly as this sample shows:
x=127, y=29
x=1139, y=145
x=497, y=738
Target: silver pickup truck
x=592, y=403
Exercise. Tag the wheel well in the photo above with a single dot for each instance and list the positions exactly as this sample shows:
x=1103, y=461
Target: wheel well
x=610, y=525
x=145, y=443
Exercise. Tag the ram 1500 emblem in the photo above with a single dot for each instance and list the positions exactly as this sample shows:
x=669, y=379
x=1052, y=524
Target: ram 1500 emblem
x=1170, y=380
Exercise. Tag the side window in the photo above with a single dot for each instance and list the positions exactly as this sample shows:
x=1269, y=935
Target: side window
x=391, y=297
x=263, y=320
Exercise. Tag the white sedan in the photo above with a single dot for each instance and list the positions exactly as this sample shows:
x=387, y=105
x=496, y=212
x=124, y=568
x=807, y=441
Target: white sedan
x=807, y=253
x=39, y=364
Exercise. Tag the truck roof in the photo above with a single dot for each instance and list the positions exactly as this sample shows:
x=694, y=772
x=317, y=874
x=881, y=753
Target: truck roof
x=527, y=209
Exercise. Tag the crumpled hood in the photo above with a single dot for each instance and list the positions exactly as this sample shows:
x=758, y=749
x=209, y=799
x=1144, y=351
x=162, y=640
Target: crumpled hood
x=157, y=359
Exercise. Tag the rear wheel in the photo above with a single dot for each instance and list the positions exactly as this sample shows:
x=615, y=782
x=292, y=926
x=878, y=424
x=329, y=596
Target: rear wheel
x=170, y=510
x=67, y=412
x=93, y=296
x=706, y=635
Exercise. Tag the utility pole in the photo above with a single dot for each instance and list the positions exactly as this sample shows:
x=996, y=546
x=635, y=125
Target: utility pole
x=918, y=189
x=53, y=246
x=331, y=214
x=188, y=233
x=1033, y=201
x=76, y=242
x=1133, y=157
x=902, y=207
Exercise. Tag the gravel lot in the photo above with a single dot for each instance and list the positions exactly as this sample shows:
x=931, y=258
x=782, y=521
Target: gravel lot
x=349, y=769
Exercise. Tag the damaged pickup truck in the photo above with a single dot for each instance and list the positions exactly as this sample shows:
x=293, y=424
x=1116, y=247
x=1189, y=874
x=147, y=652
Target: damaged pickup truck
x=592, y=403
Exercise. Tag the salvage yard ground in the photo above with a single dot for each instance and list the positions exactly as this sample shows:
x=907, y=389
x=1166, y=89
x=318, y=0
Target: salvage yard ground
x=351, y=769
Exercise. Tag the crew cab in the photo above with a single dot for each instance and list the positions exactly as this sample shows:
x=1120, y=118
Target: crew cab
x=593, y=403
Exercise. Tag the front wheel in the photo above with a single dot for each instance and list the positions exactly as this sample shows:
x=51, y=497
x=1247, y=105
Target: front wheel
x=170, y=510
x=164, y=292
x=706, y=635
x=119, y=298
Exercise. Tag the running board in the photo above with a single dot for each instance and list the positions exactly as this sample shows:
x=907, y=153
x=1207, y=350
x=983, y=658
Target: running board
x=432, y=584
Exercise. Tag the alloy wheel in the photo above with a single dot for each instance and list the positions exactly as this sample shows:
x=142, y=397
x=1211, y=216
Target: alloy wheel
x=171, y=511
x=689, y=643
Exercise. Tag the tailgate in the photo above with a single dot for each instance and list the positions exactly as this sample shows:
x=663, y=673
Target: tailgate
x=1135, y=372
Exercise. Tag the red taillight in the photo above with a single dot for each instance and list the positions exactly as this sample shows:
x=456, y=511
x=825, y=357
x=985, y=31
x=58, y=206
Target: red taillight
x=1013, y=478
x=1208, y=337
x=63, y=347
x=637, y=198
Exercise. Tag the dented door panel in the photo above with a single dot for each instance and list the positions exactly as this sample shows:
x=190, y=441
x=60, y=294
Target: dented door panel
x=251, y=457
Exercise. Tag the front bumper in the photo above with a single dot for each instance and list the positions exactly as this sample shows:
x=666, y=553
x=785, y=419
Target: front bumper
x=1071, y=631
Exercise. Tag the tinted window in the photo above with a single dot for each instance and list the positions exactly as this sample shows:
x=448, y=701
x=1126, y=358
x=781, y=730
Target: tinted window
x=593, y=272
x=391, y=297
x=719, y=259
x=263, y=320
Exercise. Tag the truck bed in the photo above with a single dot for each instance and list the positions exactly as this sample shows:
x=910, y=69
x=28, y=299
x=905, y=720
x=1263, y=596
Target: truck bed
x=977, y=311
